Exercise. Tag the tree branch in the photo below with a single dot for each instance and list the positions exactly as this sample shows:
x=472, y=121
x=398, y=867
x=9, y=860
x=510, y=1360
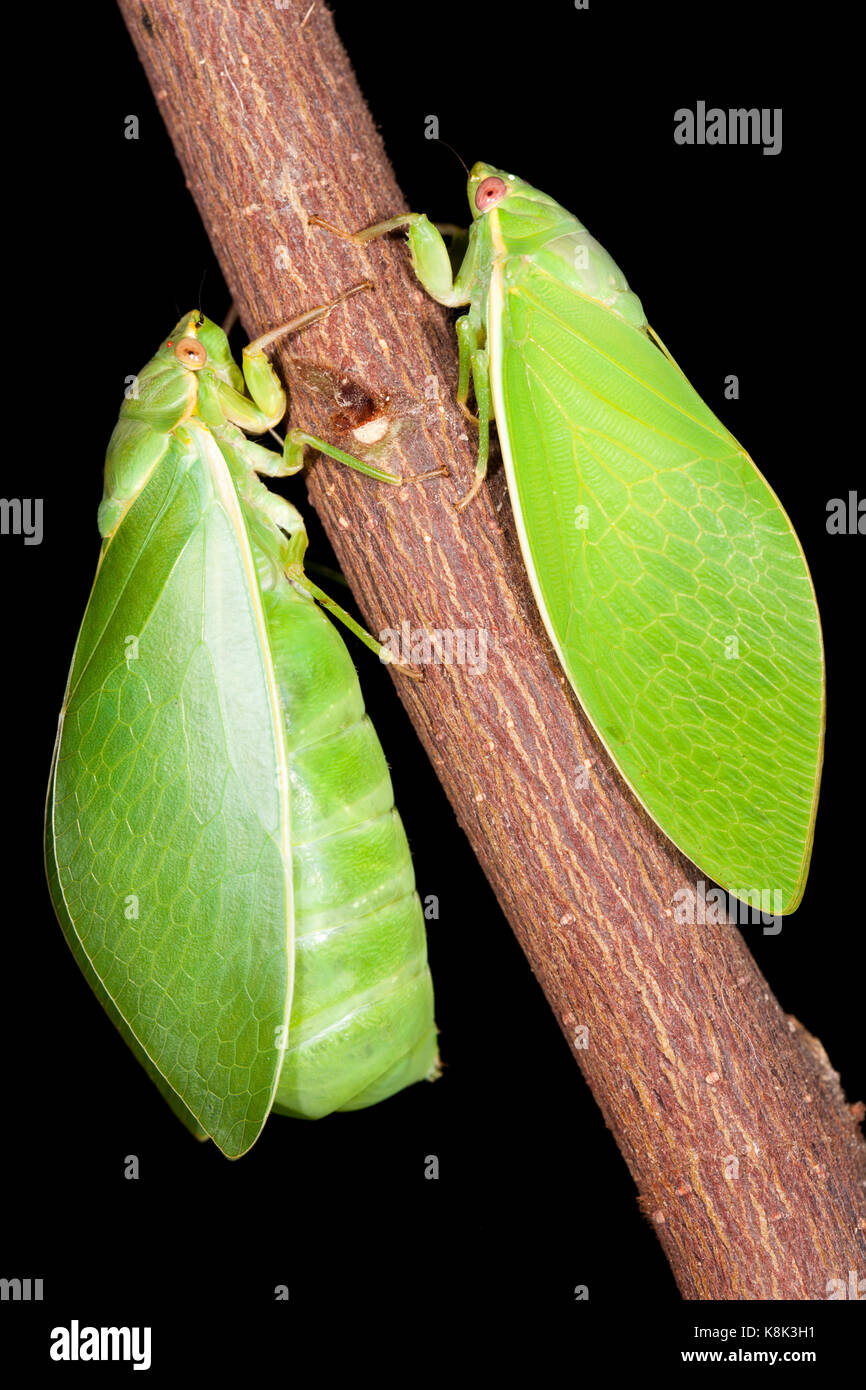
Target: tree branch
x=698, y=1072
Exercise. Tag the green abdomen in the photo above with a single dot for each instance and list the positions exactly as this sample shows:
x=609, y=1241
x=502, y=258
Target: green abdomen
x=362, y=1011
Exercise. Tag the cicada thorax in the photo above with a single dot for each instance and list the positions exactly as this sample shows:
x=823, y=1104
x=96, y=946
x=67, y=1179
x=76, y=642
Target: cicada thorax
x=157, y=400
x=561, y=250
x=574, y=258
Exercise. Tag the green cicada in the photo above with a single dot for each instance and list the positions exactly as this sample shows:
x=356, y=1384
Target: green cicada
x=670, y=580
x=222, y=846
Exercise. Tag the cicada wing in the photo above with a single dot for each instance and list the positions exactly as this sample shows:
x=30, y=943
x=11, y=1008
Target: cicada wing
x=105, y=999
x=669, y=578
x=167, y=822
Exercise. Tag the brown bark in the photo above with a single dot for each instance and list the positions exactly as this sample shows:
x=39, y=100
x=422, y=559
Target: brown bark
x=690, y=1057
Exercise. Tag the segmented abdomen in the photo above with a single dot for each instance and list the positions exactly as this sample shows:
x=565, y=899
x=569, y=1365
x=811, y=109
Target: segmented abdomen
x=362, y=1011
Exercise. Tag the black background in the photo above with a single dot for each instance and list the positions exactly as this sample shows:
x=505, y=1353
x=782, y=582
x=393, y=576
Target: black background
x=740, y=260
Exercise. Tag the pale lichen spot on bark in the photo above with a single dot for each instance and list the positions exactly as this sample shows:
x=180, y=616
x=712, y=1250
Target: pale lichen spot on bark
x=285, y=189
x=372, y=432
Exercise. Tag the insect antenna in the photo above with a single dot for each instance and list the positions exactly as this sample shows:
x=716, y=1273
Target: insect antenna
x=455, y=154
x=200, y=288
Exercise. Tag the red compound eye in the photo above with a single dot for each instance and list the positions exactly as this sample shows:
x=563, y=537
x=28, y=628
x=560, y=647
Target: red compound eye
x=190, y=353
x=489, y=192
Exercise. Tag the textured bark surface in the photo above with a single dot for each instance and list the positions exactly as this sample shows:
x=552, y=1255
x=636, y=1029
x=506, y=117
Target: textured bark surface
x=698, y=1072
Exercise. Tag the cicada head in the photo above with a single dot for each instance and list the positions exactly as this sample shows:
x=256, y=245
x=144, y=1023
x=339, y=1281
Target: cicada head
x=197, y=343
